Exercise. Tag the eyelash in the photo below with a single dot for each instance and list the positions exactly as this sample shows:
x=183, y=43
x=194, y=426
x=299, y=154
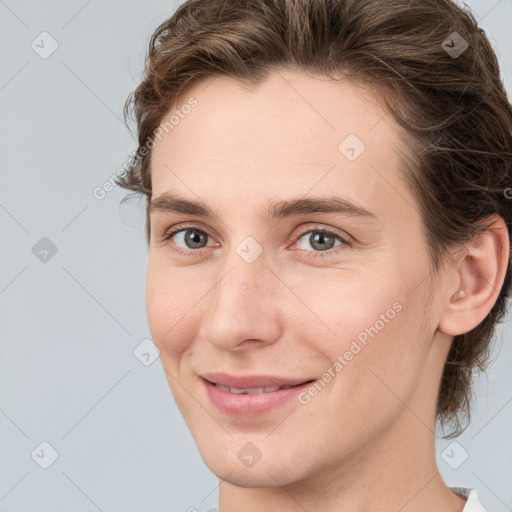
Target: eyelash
x=316, y=254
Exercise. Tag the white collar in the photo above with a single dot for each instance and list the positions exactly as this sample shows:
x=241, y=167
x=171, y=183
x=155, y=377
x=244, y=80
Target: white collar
x=473, y=503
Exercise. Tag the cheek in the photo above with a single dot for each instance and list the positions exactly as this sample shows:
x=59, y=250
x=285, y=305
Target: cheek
x=373, y=364
x=348, y=303
x=372, y=323
x=170, y=307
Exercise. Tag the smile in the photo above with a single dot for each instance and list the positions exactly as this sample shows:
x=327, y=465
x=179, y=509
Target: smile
x=250, y=396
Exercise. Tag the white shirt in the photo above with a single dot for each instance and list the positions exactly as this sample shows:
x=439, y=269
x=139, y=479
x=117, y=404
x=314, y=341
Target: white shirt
x=472, y=504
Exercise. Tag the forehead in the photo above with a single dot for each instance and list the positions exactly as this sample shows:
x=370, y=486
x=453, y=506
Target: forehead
x=291, y=134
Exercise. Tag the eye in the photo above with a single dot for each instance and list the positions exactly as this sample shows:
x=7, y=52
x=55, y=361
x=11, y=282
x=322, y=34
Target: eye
x=321, y=240
x=187, y=239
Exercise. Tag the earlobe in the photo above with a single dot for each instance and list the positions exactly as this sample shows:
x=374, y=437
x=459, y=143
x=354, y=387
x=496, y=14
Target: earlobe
x=480, y=270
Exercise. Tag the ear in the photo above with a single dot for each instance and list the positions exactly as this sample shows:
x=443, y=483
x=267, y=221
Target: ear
x=478, y=273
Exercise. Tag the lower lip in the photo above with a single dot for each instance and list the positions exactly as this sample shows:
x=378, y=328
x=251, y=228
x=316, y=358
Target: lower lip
x=250, y=405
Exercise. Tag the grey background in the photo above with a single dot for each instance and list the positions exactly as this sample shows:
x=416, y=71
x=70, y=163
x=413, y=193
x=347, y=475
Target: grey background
x=69, y=325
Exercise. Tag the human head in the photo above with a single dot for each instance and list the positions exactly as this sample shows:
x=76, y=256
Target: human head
x=457, y=173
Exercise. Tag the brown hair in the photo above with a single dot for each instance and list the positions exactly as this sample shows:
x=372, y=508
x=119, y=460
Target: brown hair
x=453, y=108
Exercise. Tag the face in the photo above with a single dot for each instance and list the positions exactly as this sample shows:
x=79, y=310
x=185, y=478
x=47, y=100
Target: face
x=261, y=291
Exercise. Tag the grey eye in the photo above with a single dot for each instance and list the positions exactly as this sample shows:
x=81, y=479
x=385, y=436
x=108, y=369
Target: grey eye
x=193, y=238
x=319, y=240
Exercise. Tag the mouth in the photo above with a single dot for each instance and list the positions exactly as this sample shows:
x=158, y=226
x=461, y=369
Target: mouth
x=251, y=395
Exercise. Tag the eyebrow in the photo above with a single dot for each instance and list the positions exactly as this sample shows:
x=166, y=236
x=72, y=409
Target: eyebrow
x=171, y=203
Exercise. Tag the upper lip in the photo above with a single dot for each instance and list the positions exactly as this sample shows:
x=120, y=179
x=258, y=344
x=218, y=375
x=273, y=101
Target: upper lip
x=251, y=381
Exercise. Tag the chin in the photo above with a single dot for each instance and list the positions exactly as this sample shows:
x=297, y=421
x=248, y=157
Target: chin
x=255, y=477
x=273, y=469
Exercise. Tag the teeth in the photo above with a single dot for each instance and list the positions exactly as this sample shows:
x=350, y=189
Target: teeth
x=250, y=391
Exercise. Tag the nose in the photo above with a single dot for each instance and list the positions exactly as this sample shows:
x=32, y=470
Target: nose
x=243, y=309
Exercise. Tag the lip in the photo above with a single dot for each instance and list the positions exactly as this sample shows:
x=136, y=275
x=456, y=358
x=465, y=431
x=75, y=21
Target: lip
x=250, y=405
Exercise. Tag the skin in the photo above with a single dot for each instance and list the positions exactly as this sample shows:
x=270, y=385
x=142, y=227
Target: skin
x=366, y=441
